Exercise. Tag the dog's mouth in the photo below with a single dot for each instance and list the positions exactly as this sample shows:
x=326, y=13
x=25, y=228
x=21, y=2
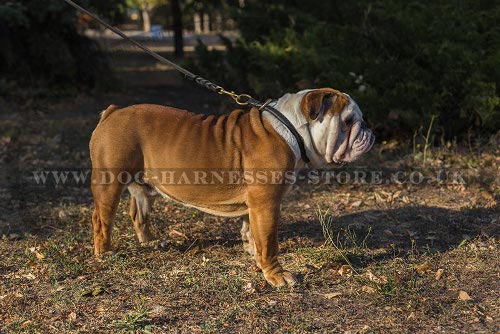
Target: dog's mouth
x=357, y=141
x=348, y=136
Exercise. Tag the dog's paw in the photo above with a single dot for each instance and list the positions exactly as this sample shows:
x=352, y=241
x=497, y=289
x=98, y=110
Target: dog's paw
x=280, y=279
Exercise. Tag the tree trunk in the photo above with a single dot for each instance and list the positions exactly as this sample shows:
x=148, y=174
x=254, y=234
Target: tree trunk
x=206, y=23
x=146, y=21
x=218, y=21
x=197, y=23
x=177, y=18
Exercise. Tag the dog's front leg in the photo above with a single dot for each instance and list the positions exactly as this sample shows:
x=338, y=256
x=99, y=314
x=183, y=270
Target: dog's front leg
x=264, y=226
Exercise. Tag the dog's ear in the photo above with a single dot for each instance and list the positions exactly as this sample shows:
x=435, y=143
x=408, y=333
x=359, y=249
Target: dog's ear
x=317, y=103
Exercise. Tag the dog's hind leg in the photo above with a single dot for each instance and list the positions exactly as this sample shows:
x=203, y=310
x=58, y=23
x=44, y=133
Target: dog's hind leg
x=106, y=200
x=246, y=236
x=141, y=204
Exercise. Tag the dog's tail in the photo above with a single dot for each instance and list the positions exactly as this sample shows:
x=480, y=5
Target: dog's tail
x=105, y=114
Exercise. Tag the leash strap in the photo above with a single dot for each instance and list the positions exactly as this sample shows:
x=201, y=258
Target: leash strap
x=240, y=99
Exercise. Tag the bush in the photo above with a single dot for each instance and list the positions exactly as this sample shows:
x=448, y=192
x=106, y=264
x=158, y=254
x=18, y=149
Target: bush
x=41, y=47
x=402, y=61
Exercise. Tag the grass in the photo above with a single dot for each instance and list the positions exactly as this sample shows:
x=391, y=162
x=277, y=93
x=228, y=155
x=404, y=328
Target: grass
x=344, y=243
x=137, y=321
x=204, y=283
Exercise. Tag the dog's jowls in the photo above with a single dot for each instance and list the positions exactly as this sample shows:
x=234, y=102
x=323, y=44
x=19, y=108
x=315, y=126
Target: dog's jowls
x=239, y=164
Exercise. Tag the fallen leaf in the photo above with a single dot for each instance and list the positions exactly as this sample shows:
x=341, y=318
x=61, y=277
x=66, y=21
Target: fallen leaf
x=331, y=295
x=396, y=194
x=423, y=268
x=177, y=233
x=39, y=256
x=369, y=289
x=62, y=214
x=345, y=270
x=379, y=280
x=249, y=288
x=439, y=273
x=355, y=204
x=29, y=276
x=462, y=295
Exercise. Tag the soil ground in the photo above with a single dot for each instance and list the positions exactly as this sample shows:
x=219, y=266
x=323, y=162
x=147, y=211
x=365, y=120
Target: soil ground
x=385, y=258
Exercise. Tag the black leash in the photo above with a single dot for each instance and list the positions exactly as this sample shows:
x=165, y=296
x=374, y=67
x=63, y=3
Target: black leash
x=240, y=99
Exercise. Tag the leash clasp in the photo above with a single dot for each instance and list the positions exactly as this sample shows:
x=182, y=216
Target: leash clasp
x=241, y=99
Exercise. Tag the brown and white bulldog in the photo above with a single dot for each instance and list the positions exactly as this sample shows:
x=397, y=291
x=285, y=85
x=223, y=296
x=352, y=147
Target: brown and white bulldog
x=198, y=160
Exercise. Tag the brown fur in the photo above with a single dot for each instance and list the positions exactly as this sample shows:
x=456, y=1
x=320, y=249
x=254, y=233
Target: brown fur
x=314, y=100
x=151, y=137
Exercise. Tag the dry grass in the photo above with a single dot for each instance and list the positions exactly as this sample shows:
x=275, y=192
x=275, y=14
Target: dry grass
x=204, y=282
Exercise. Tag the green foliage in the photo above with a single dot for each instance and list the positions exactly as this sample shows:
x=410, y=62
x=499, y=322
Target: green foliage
x=112, y=10
x=41, y=47
x=402, y=61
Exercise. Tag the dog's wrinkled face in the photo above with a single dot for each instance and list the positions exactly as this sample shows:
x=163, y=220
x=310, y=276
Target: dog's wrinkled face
x=336, y=125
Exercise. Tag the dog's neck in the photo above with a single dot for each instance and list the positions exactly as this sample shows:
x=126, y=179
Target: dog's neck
x=289, y=106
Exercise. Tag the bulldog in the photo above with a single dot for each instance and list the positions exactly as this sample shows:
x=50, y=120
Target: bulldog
x=234, y=165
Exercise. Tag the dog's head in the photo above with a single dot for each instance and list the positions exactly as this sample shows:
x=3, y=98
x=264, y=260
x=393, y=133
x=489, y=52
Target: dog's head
x=335, y=123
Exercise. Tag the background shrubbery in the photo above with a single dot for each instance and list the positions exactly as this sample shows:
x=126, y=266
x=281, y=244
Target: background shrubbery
x=403, y=61
x=40, y=47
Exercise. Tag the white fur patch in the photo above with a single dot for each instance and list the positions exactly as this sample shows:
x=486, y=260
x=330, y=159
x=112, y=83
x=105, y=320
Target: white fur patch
x=286, y=134
x=289, y=106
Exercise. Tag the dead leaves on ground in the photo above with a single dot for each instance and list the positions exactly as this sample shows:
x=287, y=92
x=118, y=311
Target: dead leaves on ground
x=439, y=273
x=464, y=296
x=423, y=268
x=38, y=253
x=345, y=270
x=376, y=279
